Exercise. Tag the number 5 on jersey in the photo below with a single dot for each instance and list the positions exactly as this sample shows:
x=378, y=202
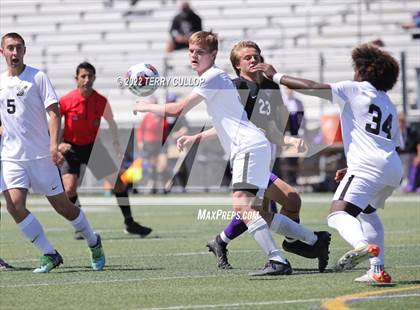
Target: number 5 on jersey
x=11, y=106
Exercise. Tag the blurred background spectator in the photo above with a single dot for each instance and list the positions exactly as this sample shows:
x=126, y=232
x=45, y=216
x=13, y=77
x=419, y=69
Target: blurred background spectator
x=151, y=137
x=409, y=154
x=183, y=25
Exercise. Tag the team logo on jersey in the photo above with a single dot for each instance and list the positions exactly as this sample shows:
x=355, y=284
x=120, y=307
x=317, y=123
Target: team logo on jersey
x=21, y=90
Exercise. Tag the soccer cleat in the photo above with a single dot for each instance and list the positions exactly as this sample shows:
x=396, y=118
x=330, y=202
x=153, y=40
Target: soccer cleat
x=354, y=257
x=273, y=268
x=98, y=256
x=49, y=262
x=370, y=277
x=220, y=252
x=321, y=249
x=135, y=228
x=299, y=248
x=4, y=265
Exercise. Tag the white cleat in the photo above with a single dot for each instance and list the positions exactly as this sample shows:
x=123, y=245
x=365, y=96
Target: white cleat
x=370, y=277
x=354, y=257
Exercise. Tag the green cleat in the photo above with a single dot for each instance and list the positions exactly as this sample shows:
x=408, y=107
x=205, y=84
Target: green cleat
x=49, y=262
x=98, y=256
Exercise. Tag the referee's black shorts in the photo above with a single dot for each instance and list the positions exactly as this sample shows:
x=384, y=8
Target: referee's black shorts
x=101, y=165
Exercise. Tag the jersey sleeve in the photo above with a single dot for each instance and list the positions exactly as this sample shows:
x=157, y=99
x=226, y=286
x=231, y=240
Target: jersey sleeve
x=342, y=92
x=62, y=106
x=46, y=90
x=208, y=89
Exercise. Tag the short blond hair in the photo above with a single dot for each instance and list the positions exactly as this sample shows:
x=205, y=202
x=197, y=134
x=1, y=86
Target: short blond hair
x=234, y=53
x=206, y=39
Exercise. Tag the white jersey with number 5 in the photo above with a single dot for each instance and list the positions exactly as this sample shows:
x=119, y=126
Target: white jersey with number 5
x=23, y=100
x=369, y=124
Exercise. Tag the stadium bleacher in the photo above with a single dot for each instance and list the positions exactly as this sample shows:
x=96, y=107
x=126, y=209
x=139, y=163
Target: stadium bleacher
x=292, y=34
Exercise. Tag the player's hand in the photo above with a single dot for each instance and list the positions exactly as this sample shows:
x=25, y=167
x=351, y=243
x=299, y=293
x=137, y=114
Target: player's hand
x=339, y=174
x=185, y=141
x=267, y=69
x=63, y=148
x=56, y=156
x=298, y=144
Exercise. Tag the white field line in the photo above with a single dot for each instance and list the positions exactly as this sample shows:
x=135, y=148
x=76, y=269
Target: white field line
x=194, y=200
x=262, y=303
x=269, y=303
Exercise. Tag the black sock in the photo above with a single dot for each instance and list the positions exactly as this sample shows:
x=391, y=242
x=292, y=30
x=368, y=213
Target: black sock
x=220, y=241
x=124, y=204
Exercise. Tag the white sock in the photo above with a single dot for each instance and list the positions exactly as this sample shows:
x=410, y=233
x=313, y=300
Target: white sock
x=348, y=227
x=82, y=225
x=33, y=231
x=283, y=225
x=374, y=233
x=224, y=237
x=259, y=230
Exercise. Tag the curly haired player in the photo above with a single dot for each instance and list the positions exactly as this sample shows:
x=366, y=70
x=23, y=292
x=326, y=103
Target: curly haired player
x=370, y=132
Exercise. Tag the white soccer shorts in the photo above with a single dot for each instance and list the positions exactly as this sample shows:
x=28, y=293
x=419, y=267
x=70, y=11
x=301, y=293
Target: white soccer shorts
x=362, y=192
x=252, y=168
x=41, y=175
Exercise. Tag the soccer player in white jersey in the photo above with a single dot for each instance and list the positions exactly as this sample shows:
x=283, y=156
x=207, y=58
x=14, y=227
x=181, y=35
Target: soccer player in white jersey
x=370, y=132
x=247, y=146
x=29, y=153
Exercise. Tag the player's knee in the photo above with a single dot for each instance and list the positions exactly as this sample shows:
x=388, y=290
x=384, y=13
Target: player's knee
x=294, y=202
x=241, y=201
x=70, y=184
x=13, y=209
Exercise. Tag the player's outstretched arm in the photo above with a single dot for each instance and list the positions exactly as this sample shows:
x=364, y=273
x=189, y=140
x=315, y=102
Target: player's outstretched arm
x=186, y=140
x=304, y=86
x=169, y=109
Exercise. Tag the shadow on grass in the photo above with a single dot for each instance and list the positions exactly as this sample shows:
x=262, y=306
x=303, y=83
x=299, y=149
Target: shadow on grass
x=309, y=270
x=406, y=282
x=132, y=237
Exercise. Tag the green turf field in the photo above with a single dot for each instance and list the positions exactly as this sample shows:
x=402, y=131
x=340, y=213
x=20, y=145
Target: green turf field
x=172, y=270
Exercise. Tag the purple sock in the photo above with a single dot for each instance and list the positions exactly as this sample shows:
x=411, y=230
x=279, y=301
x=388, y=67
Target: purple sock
x=235, y=228
x=411, y=186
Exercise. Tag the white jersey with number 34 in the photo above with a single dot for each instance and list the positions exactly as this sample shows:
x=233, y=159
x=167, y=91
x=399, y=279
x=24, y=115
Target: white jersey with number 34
x=369, y=124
